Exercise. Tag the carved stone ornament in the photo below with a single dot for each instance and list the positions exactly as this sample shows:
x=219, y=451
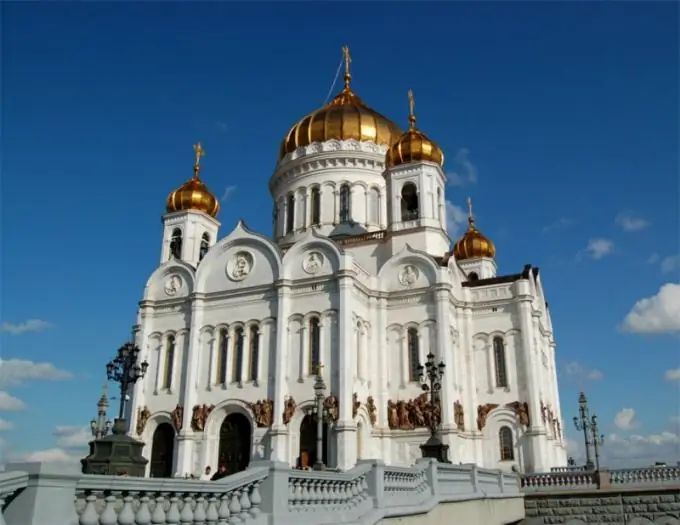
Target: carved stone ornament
x=263, y=410
x=240, y=266
x=332, y=407
x=143, y=415
x=177, y=417
x=408, y=276
x=355, y=405
x=199, y=416
x=173, y=284
x=459, y=415
x=412, y=414
x=289, y=410
x=372, y=410
x=544, y=415
x=559, y=429
x=521, y=412
x=483, y=413
x=313, y=263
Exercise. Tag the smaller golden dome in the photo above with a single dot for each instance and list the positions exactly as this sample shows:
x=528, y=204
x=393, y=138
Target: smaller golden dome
x=193, y=194
x=413, y=146
x=473, y=244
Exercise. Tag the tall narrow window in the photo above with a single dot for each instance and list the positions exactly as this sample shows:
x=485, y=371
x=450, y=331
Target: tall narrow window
x=237, y=376
x=409, y=202
x=360, y=352
x=222, y=354
x=505, y=442
x=176, y=244
x=314, y=344
x=439, y=204
x=169, y=362
x=316, y=206
x=205, y=245
x=499, y=362
x=290, y=214
x=254, y=353
x=374, y=206
x=345, y=206
x=275, y=218
x=413, y=354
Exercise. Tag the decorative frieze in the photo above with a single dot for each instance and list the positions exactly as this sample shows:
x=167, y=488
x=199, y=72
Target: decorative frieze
x=412, y=414
x=263, y=412
x=199, y=416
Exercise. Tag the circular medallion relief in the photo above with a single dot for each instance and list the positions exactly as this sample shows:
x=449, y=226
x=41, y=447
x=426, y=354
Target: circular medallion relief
x=173, y=284
x=409, y=275
x=240, y=266
x=313, y=263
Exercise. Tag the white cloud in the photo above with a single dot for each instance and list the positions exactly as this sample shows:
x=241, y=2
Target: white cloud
x=559, y=224
x=599, y=248
x=228, y=191
x=6, y=425
x=51, y=455
x=625, y=419
x=630, y=222
x=657, y=314
x=456, y=217
x=72, y=437
x=654, y=258
x=462, y=172
x=10, y=403
x=670, y=263
x=16, y=371
x=581, y=372
x=672, y=375
x=32, y=325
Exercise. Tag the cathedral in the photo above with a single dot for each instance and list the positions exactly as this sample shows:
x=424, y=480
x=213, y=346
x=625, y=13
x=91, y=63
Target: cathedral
x=359, y=282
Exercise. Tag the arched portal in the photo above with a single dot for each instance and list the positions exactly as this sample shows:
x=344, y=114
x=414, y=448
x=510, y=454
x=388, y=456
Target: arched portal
x=308, y=442
x=162, y=451
x=235, y=441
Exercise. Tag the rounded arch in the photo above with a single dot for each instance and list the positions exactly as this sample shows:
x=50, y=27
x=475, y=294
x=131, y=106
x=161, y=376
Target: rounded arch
x=235, y=442
x=223, y=410
x=301, y=250
x=159, y=286
x=162, y=450
x=389, y=272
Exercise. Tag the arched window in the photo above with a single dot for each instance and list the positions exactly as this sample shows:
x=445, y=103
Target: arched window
x=236, y=375
x=472, y=276
x=409, y=202
x=505, y=442
x=222, y=354
x=315, y=198
x=254, y=353
x=205, y=245
x=314, y=344
x=290, y=214
x=413, y=354
x=499, y=362
x=439, y=204
x=345, y=204
x=374, y=206
x=169, y=364
x=176, y=243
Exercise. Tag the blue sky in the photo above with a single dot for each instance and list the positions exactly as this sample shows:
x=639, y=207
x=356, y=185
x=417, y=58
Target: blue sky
x=559, y=119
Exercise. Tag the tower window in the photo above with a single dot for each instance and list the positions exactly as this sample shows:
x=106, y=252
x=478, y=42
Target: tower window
x=176, y=244
x=316, y=206
x=222, y=353
x=205, y=246
x=473, y=276
x=169, y=362
x=374, y=206
x=506, y=445
x=499, y=362
x=439, y=205
x=254, y=352
x=345, y=204
x=237, y=376
x=409, y=202
x=314, y=344
x=413, y=354
x=290, y=214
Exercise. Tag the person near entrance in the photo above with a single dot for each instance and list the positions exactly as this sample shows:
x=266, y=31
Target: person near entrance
x=206, y=474
x=221, y=473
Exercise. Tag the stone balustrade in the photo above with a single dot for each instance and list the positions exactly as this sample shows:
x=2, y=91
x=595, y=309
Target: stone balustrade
x=267, y=493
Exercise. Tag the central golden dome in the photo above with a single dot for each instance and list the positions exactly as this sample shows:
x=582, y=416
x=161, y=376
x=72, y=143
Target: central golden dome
x=345, y=117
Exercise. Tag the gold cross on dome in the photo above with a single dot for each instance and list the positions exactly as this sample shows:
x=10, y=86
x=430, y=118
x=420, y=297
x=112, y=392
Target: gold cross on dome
x=411, y=108
x=348, y=58
x=198, y=149
x=469, y=204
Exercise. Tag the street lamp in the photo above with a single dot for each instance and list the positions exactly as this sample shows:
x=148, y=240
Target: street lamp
x=320, y=414
x=125, y=370
x=430, y=377
x=101, y=427
x=591, y=434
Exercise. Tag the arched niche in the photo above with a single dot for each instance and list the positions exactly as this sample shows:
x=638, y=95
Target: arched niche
x=312, y=256
x=161, y=457
x=172, y=280
x=408, y=269
x=499, y=418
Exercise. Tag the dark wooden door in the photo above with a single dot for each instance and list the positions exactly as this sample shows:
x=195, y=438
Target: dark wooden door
x=162, y=451
x=308, y=442
x=235, y=441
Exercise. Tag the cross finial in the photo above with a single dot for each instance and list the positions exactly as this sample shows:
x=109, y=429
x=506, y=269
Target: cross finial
x=348, y=61
x=411, y=109
x=471, y=217
x=199, y=151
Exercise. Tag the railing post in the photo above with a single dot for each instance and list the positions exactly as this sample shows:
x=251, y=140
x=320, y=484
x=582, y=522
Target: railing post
x=48, y=498
x=375, y=479
x=474, y=477
x=603, y=479
x=274, y=490
x=431, y=474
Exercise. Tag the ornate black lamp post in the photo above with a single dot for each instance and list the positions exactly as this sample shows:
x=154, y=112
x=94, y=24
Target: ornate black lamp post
x=430, y=376
x=591, y=434
x=320, y=415
x=118, y=453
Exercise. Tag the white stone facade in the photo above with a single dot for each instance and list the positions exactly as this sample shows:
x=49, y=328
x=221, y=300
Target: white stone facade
x=354, y=284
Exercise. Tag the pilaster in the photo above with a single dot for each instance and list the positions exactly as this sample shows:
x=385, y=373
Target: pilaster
x=345, y=429
x=442, y=300
x=473, y=400
x=277, y=376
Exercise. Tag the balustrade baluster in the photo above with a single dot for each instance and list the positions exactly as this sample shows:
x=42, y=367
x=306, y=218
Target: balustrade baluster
x=324, y=493
x=245, y=504
x=199, y=511
x=172, y=516
x=108, y=515
x=143, y=516
x=211, y=515
x=223, y=512
x=186, y=517
x=304, y=492
x=255, y=500
x=235, y=507
x=90, y=515
x=127, y=515
x=158, y=514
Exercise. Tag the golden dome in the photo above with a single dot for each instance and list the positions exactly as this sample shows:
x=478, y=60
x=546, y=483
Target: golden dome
x=193, y=194
x=413, y=146
x=473, y=244
x=343, y=118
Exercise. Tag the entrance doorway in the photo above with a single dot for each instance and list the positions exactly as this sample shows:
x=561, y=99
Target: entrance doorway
x=162, y=451
x=308, y=442
x=235, y=441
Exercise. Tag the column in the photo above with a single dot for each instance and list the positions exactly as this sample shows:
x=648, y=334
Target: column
x=304, y=354
x=245, y=357
x=212, y=376
x=336, y=206
x=471, y=387
x=442, y=298
x=159, y=364
x=279, y=431
x=405, y=359
x=345, y=428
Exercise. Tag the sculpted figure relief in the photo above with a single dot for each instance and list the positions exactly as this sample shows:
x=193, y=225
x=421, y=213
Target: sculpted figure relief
x=372, y=410
x=177, y=416
x=289, y=410
x=355, y=405
x=483, y=413
x=263, y=411
x=199, y=416
x=173, y=285
x=143, y=415
x=332, y=406
x=459, y=416
x=415, y=413
x=522, y=412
